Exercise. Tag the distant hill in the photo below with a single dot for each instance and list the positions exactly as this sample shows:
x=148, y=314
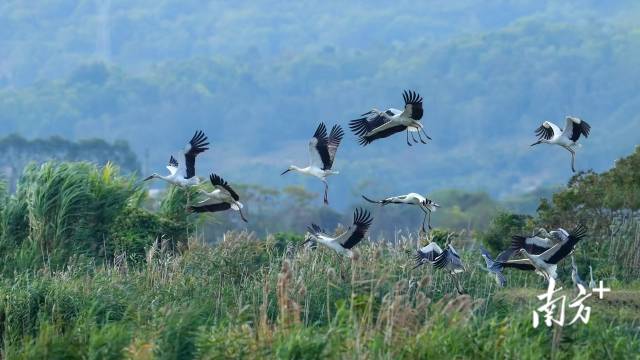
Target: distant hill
x=259, y=77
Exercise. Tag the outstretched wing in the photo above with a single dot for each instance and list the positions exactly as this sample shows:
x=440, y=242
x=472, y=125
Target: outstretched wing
x=361, y=223
x=574, y=127
x=219, y=183
x=197, y=145
x=412, y=104
x=335, y=137
x=319, y=148
x=533, y=245
x=210, y=207
x=561, y=250
x=369, y=129
x=520, y=264
x=173, y=165
x=544, y=132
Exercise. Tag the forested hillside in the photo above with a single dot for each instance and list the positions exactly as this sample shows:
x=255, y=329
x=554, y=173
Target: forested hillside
x=258, y=77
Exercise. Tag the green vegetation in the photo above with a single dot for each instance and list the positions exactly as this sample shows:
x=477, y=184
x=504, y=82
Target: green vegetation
x=88, y=272
x=257, y=77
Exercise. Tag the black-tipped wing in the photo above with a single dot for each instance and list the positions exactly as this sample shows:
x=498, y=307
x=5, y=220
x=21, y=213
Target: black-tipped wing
x=173, y=162
x=412, y=104
x=219, y=182
x=326, y=146
x=210, y=208
x=197, y=145
x=315, y=229
x=520, y=264
x=574, y=127
x=374, y=128
x=361, y=223
x=544, y=133
x=335, y=137
x=560, y=251
x=533, y=245
x=442, y=260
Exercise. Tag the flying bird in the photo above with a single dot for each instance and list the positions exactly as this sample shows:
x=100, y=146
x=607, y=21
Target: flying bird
x=550, y=133
x=426, y=205
x=343, y=243
x=546, y=262
x=427, y=254
x=222, y=198
x=322, y=151
x=447, y=259
x=184, y=175
x=376, y=124
x=493, y=267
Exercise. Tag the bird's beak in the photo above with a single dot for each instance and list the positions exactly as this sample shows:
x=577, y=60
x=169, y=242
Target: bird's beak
x=148, y=178
x=536, y=143
x=286, y=171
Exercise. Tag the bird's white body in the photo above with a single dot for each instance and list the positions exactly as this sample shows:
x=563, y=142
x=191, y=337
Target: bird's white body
x=183, y=174
x=543, y=268
x=333, y=244
x=217, y=196
x=399, y=117
x=322, y=153
x=343, y=243
x=550, y=133
x=176, y=178
x=313, y=170
x=427, y=206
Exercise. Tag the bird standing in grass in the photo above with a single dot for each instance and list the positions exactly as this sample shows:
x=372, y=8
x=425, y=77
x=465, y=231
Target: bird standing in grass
x=592, y=283
x=322, y=150
x=427, y=206
x=550, y=133
x=222, y=198
x=343, y=243
x=184, y=175
x=376, y=124
x=493, y=267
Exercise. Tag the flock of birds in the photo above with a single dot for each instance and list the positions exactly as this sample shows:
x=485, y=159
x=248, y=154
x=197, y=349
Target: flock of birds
x=540, y=253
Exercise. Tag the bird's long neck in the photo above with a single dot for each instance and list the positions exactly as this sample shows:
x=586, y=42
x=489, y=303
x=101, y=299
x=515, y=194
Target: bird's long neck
x=590, y=273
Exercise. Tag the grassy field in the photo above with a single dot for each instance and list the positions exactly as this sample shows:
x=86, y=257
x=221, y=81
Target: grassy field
x=255, y=298
x=87, y=271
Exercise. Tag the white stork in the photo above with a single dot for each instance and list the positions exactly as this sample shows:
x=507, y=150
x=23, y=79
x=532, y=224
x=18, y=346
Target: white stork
x=546, y=262
x=575, y=276
x=550, y=133
x=343, y=243
x=322, y=151
x=185, y=176
x=493, y=267
x=447, y=259
x=426, y=205
x=222, y=198
x=377, y=124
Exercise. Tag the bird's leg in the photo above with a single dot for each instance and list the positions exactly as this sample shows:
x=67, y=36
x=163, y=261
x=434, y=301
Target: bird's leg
x=420, y=137
x=425, y=134
x=242, y=216
x=573, y=160
x=408, y=143
x=413, y=137
x=326, y=190
x=423, y=221
x=430, y=221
